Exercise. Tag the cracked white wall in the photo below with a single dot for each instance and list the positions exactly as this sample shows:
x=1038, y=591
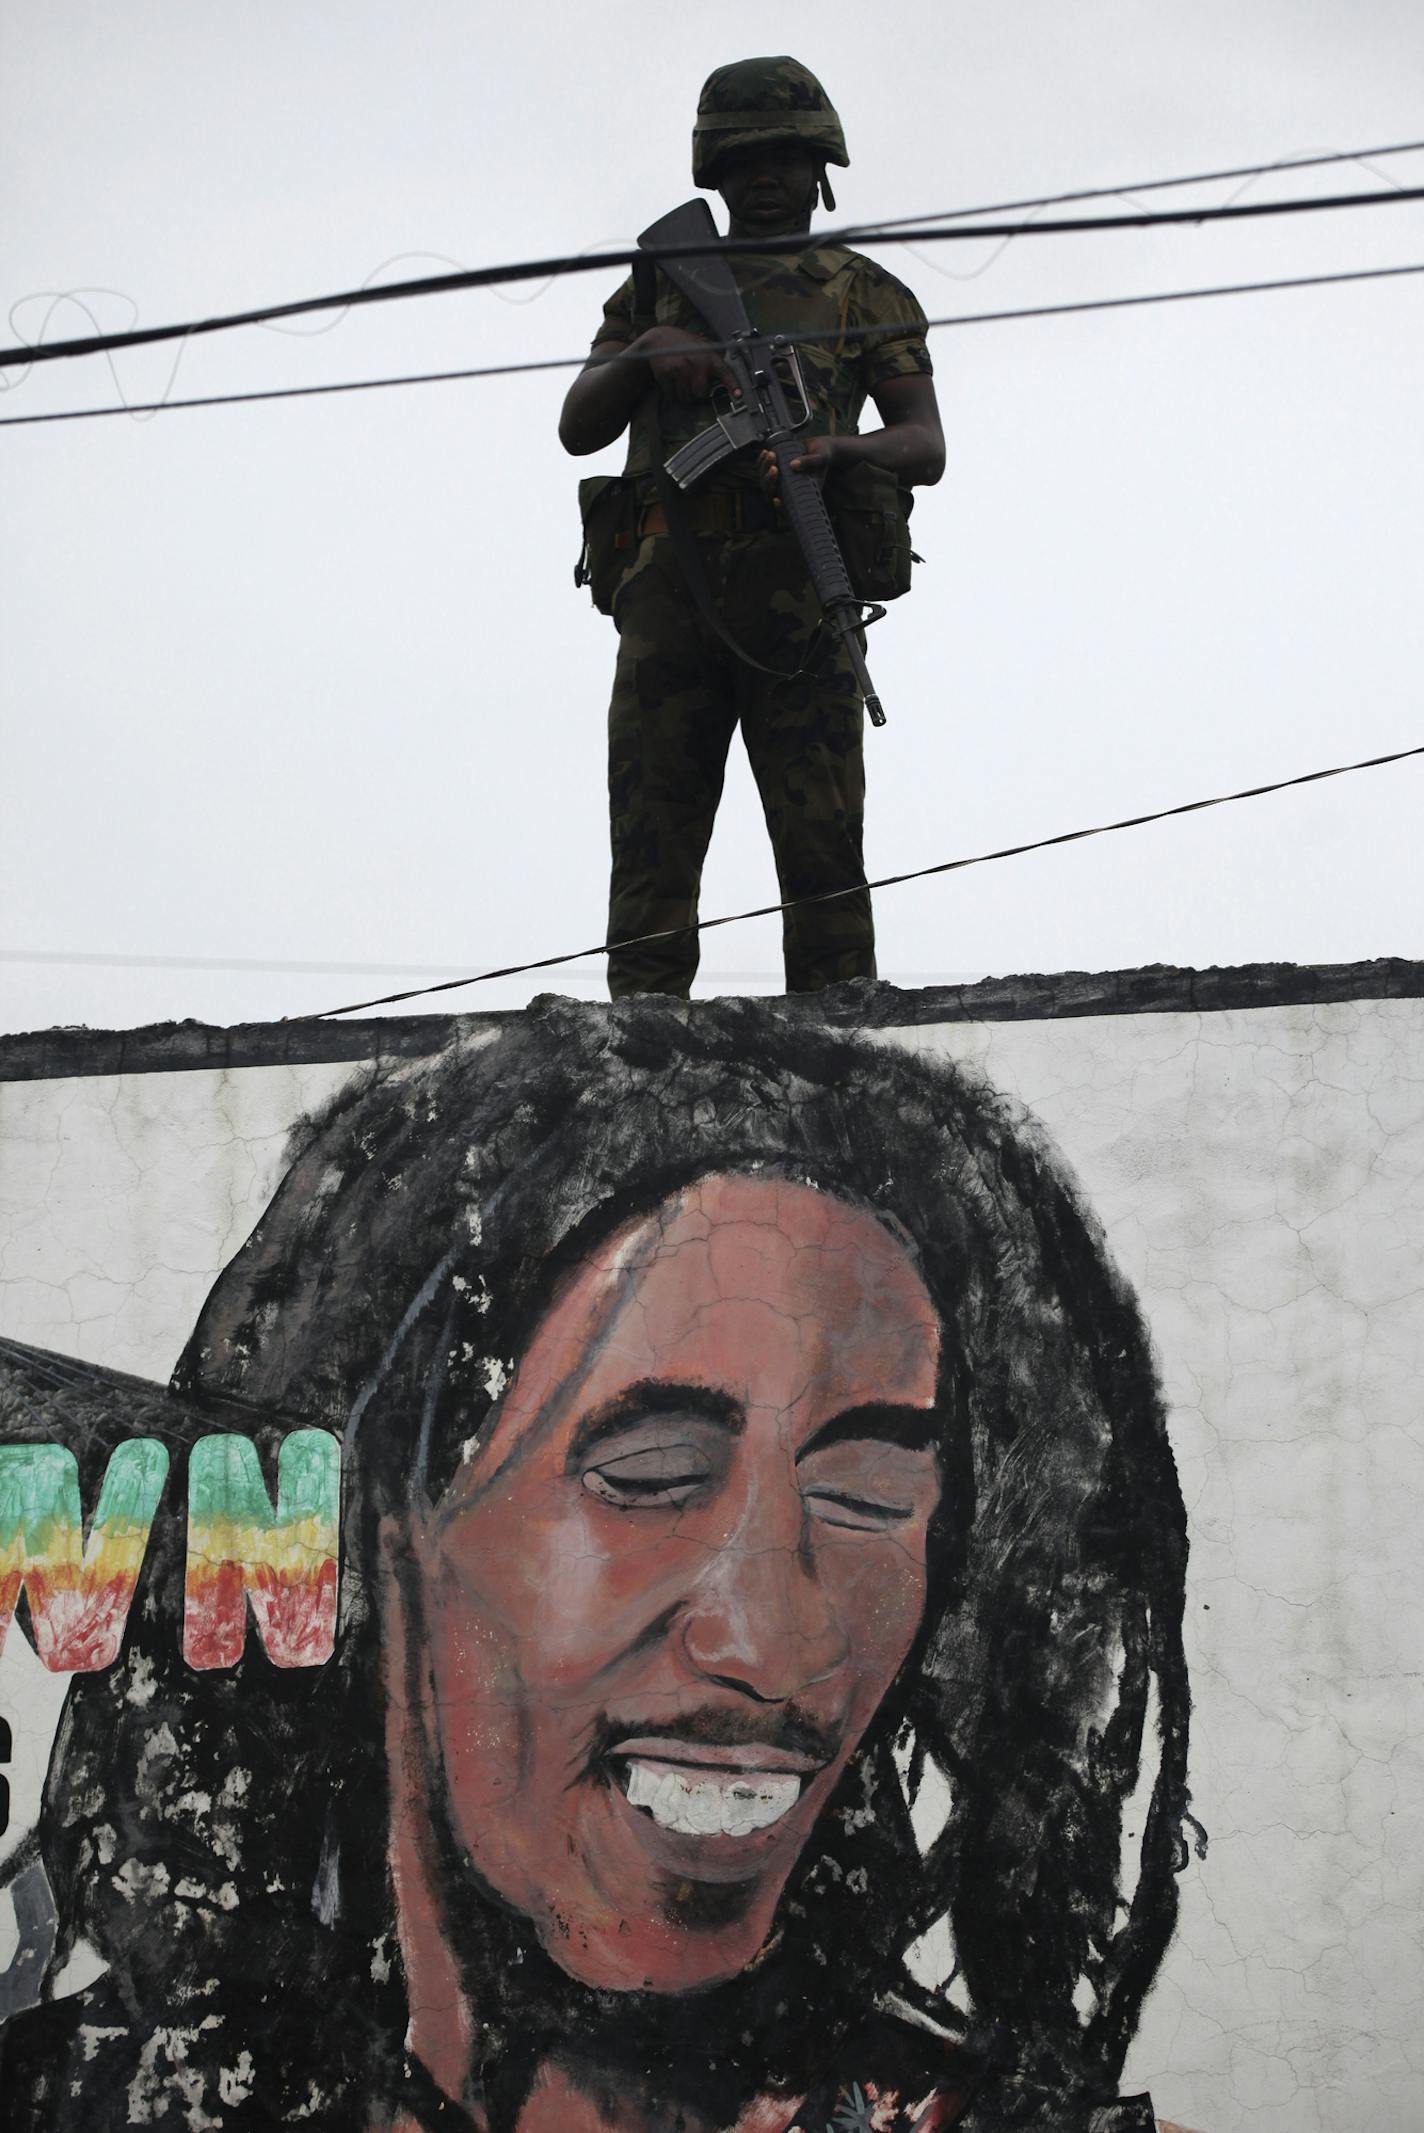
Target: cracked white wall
x=1258, y=1174
x=1259, y=1177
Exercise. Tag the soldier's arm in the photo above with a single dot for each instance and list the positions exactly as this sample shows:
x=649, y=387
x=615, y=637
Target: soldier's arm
x=912, y=441
x=911, y=445
x=599, y=404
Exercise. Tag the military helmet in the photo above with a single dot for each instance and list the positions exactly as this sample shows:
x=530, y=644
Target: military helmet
x=755, y=100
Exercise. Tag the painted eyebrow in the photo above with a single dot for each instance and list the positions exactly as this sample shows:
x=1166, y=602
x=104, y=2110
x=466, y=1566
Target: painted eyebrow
x=914, y=1429
x=644, y=1400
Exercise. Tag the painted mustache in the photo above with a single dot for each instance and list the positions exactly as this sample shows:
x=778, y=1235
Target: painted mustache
x=791, y=1735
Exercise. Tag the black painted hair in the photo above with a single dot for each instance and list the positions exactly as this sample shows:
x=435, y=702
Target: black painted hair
x=220, y=1837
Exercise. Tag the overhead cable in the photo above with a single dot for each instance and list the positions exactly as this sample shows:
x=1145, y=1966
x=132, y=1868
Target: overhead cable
x=846, y=333
x=1363, y=156
x=589, y=262
x=1248, y=173
x=886, y=881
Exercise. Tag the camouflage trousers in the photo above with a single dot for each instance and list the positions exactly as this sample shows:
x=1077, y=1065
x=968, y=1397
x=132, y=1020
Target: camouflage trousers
x=679, y=694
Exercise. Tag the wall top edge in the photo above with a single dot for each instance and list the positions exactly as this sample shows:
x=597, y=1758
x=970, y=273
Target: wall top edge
x=1156, y=989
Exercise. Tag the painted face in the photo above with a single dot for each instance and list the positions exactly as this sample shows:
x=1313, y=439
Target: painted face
x=668, y=1595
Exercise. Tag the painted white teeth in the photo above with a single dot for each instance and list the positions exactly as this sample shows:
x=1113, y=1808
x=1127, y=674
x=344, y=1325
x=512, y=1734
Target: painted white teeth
x=705, y=1803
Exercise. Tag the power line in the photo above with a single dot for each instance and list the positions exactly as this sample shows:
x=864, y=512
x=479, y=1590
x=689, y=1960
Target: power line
x=576, y=362
x=1156, y=185
x=588, y=262
x=886, y=881
x=1365, y=158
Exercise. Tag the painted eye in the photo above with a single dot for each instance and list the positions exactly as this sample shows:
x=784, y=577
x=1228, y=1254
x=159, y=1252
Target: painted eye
x=863, y=1514
x=653, y=1476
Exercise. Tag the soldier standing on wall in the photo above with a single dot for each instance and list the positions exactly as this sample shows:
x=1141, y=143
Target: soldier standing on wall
x=764, y=135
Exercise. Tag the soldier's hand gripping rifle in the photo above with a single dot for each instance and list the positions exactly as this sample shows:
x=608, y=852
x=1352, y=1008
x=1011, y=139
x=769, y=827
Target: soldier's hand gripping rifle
x=772, y=409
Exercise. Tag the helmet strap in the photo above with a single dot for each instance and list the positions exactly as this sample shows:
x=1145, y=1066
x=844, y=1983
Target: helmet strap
x=827, y=196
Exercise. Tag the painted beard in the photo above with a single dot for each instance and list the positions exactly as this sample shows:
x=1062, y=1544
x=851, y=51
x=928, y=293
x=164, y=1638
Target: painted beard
x=706, y=2053
x=697, y=2059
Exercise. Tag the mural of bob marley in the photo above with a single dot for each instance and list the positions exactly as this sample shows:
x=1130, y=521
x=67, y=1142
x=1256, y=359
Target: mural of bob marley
x=747, y=1444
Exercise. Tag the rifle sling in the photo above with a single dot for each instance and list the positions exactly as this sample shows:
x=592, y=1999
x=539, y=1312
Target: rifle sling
x=689, y=557
x=694, y=571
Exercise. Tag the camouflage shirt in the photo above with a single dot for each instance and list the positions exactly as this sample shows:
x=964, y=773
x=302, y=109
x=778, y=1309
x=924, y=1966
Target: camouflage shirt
x=824, y=289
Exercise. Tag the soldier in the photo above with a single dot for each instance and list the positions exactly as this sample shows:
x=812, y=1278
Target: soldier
x=765, y=132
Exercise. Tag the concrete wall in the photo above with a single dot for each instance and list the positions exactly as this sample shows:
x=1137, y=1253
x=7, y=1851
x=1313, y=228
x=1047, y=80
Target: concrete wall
x=1257, y=1170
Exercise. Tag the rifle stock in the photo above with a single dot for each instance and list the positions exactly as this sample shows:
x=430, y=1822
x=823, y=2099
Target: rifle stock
x=706, y=279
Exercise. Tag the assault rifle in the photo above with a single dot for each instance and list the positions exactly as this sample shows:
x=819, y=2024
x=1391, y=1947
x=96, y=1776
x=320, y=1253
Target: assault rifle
x=772, y=408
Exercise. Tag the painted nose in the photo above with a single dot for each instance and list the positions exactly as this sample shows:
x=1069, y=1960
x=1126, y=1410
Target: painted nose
x=760, y=1620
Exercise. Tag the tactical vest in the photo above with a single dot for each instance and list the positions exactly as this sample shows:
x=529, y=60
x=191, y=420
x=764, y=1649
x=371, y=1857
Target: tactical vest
x=808, y=293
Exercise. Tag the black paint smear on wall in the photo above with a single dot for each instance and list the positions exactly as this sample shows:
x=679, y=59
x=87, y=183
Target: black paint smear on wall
x=220, y=1838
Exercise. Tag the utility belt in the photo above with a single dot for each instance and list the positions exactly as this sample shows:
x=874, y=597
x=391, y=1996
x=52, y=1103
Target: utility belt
x=728, y=510
x=869, y=509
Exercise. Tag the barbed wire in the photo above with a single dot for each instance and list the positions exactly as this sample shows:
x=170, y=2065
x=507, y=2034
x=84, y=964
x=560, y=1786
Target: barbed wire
x=587, y=262
x=1250, y=174
x=142, y=410
x=533, y=364
x=1307, y=159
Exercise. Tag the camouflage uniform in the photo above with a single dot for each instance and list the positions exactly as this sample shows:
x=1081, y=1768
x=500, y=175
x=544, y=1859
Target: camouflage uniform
x=679, y=693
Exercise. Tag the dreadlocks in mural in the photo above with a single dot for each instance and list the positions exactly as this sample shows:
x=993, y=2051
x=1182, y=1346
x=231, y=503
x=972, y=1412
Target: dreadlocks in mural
x=761, y=1562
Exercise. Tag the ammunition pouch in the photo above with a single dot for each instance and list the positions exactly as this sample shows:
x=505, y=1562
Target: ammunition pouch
x=609, y=506
x=870, y=510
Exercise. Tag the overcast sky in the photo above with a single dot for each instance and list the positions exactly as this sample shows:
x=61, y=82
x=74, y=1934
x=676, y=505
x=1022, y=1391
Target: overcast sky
x=310, y=683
